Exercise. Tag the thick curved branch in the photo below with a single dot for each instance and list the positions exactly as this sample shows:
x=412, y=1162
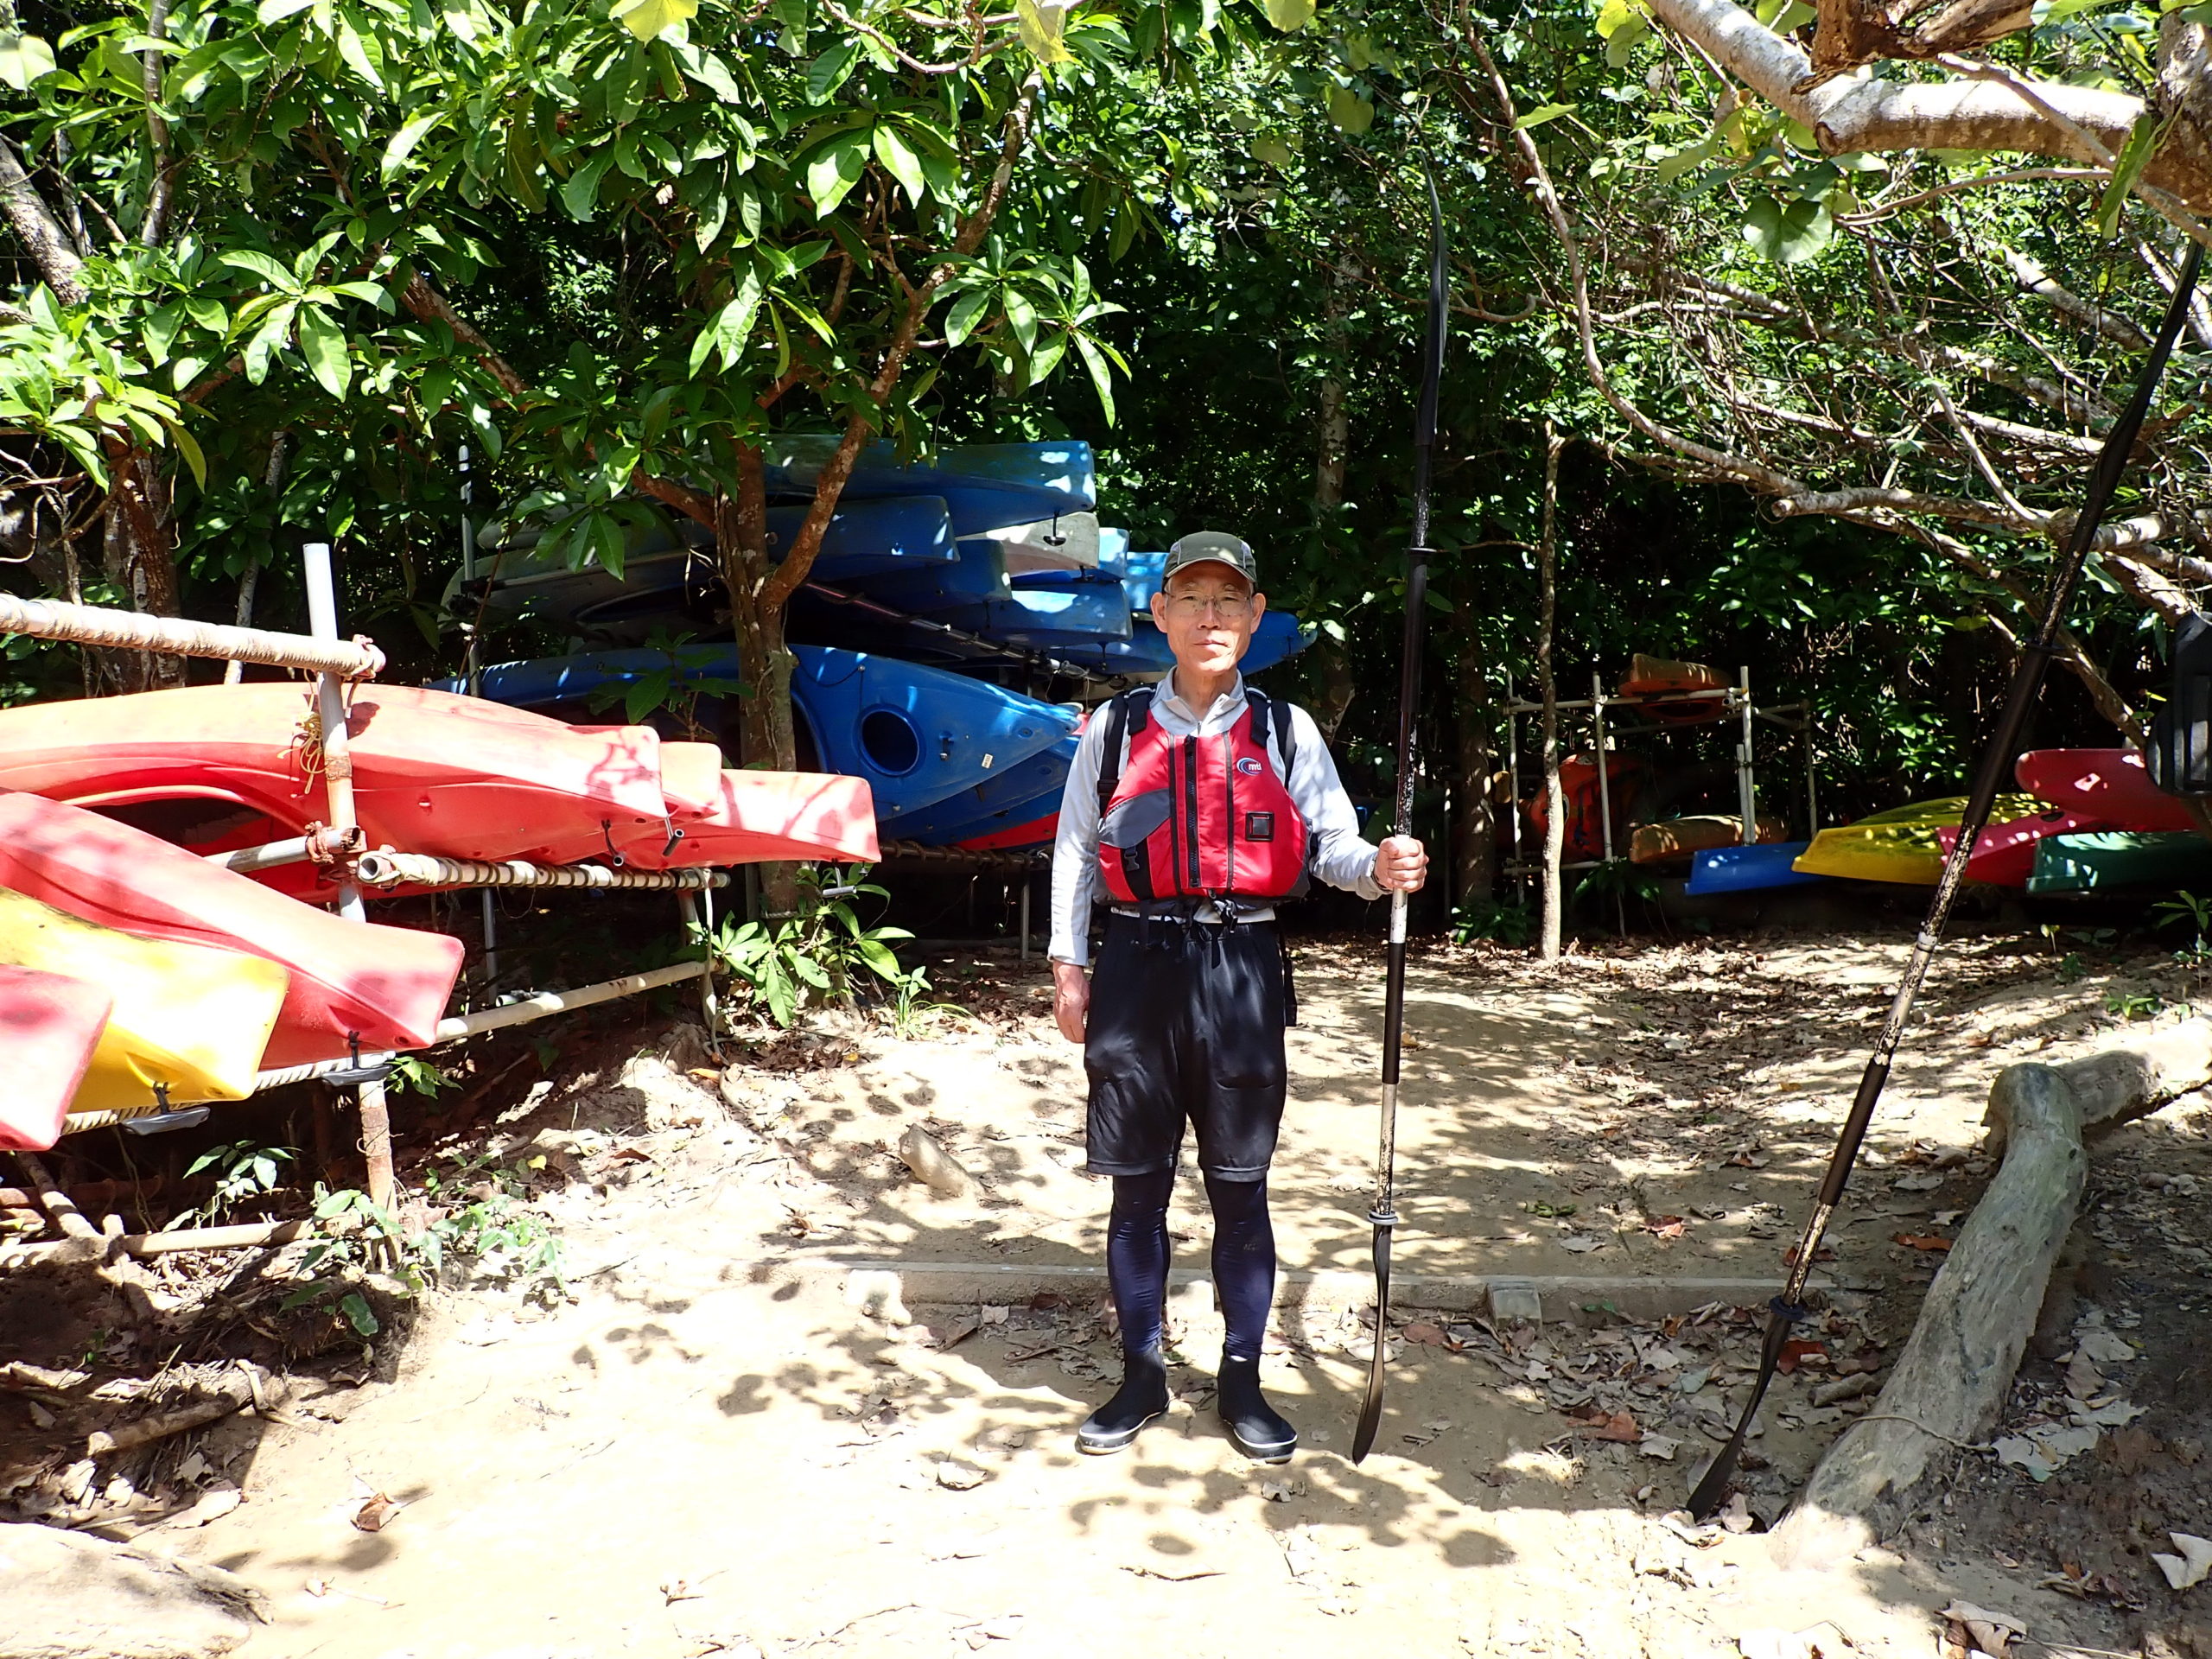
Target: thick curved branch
x=1860, y=112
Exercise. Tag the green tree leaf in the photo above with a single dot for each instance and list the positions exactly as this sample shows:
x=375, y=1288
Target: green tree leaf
x=1348, y=111
x=404, y=141
x=900, y=161
x=1788, y=232
x=1544, y=112
x=830, y=71
x=836, y=169
x=648, y=19
x=1290, y=16
x=2134, y=155
x=322, y=342
x=24, y=60
x=1042, y=23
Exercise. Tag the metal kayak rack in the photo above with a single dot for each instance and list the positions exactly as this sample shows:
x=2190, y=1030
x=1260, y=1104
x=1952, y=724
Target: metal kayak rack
x=335, y=663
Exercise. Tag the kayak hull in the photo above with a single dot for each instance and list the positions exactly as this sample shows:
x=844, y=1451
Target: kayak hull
x=985, y=486
x=433, y=772
x=2110, y=786
x=1678, y=838
x=1023, y=793
x=387, y=986
x=2005, y=854
x=2121, y=858
x=50, y=1025
x=669, y=575
x=189, y=1017
x=1903, y=846
x=914, y=734
x=1749, y=869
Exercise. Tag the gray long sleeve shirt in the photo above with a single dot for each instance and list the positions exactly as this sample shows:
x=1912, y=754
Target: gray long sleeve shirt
x=1335, y=851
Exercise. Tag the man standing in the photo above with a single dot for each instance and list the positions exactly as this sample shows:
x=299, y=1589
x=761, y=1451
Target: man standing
x=1192, y=808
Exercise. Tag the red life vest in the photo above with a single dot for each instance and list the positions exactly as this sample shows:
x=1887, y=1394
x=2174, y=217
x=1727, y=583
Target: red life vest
x=1198, y=817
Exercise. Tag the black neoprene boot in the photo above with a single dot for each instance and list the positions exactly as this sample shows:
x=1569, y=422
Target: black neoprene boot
x=1141, y=1397
x=1259, y=1430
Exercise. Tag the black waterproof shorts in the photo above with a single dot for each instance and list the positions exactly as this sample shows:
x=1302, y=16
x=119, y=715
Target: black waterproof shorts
x=1185, y=1025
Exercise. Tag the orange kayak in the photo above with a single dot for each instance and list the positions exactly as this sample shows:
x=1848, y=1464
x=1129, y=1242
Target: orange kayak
x=49, y=1026
x=386, y=986
x=1654, y=843
x=433, y=772
x=1655, y=676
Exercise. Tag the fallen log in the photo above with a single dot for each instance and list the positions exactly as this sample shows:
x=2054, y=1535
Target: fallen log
x=1951, y=1382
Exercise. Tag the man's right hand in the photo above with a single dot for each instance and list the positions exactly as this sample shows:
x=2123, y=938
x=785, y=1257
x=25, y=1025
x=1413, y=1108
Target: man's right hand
x=1071, y=999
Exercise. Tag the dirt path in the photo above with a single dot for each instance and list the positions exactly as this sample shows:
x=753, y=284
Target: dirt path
x=709, y=1448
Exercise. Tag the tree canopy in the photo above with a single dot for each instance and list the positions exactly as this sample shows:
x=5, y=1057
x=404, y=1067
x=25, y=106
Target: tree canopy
x=1833, y=307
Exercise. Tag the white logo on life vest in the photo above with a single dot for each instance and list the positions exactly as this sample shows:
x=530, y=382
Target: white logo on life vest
x=1247, y=765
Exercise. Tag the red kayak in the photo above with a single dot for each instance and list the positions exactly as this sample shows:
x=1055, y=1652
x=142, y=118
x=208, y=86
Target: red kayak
x=49, y=1026
x=222, y=766
x=386, y=986
x=750, y=818
x=2108, y=785
x=2005, y=854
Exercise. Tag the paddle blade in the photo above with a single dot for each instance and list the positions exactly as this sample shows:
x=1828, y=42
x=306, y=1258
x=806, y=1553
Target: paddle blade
x=1370, y=1410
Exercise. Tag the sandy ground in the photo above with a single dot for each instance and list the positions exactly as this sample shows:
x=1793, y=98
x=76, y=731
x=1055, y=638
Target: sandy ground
x=708, y=1450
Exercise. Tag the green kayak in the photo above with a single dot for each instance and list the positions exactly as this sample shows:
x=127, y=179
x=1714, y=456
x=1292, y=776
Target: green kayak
x=2121, y=858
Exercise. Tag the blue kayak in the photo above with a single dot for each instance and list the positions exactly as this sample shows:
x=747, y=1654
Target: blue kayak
x=669, y=570
x=917, y=735
x=1140, y=578
x=976, y=575
x=1112, y=549
x=987, y=485
x=1749, y=869
x=1015, y=796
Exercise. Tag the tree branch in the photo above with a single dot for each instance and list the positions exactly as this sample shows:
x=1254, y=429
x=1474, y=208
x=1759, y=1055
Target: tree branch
x=163, y=190
x=1860, y=112
x=430, y=306
x=59, y=262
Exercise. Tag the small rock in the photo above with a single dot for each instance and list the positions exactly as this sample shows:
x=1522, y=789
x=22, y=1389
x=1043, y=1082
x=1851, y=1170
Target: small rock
x=934, y=1166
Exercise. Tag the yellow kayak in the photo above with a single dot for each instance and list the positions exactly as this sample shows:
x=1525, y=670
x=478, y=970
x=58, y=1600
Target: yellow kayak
x=191, y=1017
x=1902, y=845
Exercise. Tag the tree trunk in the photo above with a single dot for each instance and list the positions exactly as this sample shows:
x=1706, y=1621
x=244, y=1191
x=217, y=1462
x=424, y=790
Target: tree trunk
x=140, y=557
x=1474, y=821
x=1548, y=683
x=764, y=661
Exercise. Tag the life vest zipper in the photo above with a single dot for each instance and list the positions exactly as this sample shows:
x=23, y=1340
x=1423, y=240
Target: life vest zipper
x=1197, y=883
x=1228, y=797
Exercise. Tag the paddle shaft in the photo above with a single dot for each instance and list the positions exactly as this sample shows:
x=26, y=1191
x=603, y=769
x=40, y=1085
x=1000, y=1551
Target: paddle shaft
x=1996, y=762
x=1385, y=1214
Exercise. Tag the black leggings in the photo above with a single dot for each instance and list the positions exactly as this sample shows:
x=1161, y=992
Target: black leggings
x=1243, y=1259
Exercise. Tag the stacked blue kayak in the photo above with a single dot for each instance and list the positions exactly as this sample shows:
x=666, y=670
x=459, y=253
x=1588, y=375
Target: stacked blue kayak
x=998, y=541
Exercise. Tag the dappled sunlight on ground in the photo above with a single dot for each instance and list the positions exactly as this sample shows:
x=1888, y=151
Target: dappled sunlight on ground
x=711, y=1448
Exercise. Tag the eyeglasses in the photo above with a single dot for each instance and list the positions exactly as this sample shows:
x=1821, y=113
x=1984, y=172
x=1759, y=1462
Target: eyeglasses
x=1233, y=608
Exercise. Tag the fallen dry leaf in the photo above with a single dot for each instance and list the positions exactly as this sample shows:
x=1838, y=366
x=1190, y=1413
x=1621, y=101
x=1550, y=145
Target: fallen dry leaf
x=1920, y=1241
x=1666, y=1226
x=1601, y=1425
x=374, y=1513
x=2188, y=1569
x=1433, y=1337
x=1800, y=1350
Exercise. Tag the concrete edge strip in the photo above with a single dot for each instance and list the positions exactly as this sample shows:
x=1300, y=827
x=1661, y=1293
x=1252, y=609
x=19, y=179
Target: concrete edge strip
x=877, y=1283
